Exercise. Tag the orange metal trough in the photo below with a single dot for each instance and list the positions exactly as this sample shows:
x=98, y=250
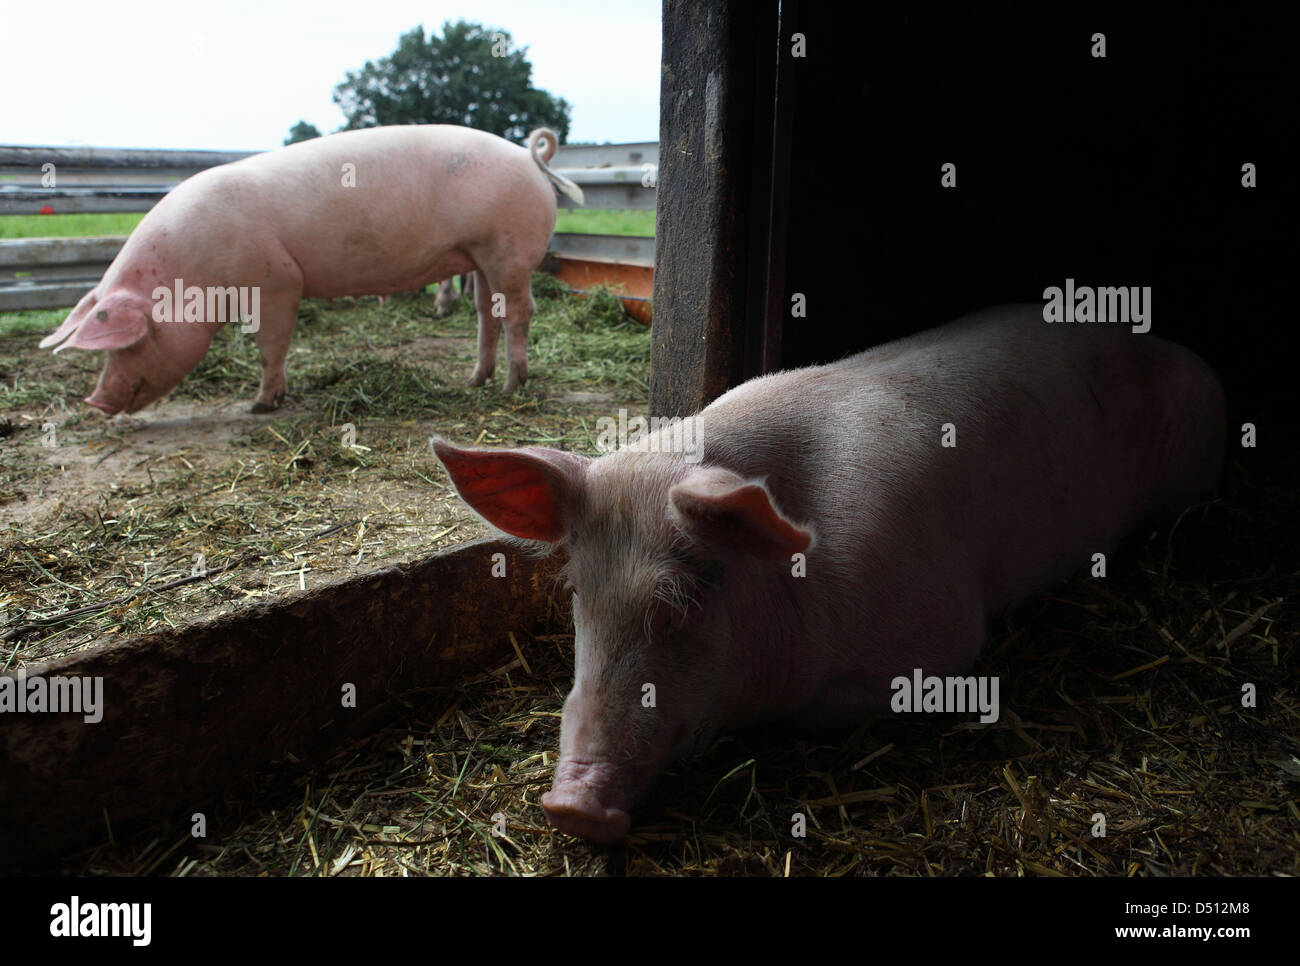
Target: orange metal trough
x=634, y=284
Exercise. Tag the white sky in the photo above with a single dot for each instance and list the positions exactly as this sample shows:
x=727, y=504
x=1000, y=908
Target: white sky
x=237, y=75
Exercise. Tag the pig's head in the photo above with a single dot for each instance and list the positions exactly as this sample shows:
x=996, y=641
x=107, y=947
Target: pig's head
x=663, y=557
x=145, y=360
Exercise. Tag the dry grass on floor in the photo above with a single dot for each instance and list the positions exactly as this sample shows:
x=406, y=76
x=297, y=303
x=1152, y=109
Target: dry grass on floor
x=198, y=508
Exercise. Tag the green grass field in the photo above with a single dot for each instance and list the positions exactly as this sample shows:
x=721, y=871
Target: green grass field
x=593, y=222
x=67, y=226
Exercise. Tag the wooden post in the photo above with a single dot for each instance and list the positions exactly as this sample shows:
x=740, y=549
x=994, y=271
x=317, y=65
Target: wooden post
x=713, y=224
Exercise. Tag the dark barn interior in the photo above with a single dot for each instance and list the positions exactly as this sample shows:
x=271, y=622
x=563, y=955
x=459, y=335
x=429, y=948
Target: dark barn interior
x=1125, y=170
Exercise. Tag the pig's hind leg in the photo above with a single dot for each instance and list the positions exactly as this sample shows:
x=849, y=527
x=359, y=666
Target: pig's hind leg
x=519, y=318
x=513, y=281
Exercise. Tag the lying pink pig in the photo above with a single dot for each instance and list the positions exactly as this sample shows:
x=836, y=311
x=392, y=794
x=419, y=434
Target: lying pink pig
x=813, y=534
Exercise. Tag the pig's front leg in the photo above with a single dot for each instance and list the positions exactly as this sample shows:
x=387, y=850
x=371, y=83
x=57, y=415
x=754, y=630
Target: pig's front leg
x=489, y=331
x=275, y=327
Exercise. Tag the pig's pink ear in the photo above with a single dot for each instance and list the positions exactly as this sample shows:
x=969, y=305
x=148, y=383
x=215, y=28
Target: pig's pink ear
x=118, y=327
x=525, y=492
x=115, y=322
x=720, y=508
x=74, y=319
x=63, y=331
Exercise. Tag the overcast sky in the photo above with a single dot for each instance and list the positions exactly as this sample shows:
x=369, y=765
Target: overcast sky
x=237, y=75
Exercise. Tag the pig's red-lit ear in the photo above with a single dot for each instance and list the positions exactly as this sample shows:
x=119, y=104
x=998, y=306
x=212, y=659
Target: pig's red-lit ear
x=525, y=492
x=722, y=509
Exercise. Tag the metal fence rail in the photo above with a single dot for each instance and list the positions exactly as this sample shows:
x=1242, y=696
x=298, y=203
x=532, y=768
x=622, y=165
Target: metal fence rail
x=55, y=272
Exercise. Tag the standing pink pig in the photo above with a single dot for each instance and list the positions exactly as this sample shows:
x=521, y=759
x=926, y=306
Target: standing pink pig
x=363, y=212
x=814, y=534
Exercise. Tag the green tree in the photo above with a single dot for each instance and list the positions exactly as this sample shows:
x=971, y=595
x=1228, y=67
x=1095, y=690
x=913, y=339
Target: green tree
x=471, y=75
x=302, y=131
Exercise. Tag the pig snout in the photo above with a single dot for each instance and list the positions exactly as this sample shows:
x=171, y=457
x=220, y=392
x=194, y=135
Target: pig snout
x=610, y=753
x=105, y=407
x=120, y=390
x=586, y=801
x=595, y=781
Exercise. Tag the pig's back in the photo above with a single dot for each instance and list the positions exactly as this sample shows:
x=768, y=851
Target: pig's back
x=1064, y=435
x=382, y=205
x=419, y=189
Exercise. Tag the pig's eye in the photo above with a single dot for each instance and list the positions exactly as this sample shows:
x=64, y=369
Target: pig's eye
x=707, y=571
x=663, y=619
x=710, y=573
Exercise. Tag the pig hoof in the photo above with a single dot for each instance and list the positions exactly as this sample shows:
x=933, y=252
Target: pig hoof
x=272, y=406
x=477, y=379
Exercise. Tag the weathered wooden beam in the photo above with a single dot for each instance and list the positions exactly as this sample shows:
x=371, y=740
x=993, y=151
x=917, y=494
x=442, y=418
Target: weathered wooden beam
x=26, y=156
x=715, y=133
x=189, y=712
